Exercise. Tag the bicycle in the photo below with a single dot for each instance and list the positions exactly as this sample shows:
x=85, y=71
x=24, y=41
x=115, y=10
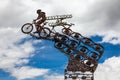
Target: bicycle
x=43, y=32
x=67, y=30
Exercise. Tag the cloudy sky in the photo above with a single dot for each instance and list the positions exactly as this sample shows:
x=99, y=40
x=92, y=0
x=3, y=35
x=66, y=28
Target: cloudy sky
x=25, y=58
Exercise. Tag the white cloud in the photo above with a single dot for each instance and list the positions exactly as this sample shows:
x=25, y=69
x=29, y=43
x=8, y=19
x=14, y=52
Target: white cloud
x=54, y=76
x=37, y=41
x=101, y=18
x=109, y=70
x=91, y=17
x=112, y=37
x=11, y=53
x=28, y=72
x=14, y=56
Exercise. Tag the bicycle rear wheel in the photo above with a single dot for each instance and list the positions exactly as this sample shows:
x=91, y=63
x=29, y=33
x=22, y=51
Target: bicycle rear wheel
x=27, y=28
x=45, y=33
x=67, y=31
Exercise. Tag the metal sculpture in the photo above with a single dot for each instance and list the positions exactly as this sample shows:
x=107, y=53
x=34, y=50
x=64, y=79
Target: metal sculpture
x=83, y=53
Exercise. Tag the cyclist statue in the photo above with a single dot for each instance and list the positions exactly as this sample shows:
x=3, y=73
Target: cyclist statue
x=40, y=19
x=82, y=60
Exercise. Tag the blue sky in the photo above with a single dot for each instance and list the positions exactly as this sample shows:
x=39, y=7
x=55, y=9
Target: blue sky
x=25, y=58
x=51, y=58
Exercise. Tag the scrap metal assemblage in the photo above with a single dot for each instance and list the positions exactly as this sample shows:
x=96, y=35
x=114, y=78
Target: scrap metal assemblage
x=82, y=52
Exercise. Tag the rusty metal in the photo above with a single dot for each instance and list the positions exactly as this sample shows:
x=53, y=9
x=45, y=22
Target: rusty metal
x=83, y=53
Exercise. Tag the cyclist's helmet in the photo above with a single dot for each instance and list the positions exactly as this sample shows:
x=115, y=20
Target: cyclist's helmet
x=38, y=11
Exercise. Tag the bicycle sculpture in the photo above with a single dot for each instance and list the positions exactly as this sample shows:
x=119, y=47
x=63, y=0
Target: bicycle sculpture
x=83, y=54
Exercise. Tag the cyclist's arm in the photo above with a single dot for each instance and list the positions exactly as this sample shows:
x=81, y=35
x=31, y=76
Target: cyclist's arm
x=38, y=18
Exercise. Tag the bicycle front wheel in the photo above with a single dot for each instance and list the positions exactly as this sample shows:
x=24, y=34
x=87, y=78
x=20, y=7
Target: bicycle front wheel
x=27, y=28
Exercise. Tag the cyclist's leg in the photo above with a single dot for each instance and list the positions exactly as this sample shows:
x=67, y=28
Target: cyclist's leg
x=37, y=25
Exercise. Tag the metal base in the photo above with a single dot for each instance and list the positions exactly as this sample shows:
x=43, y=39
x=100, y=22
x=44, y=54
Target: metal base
x=69, y=75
